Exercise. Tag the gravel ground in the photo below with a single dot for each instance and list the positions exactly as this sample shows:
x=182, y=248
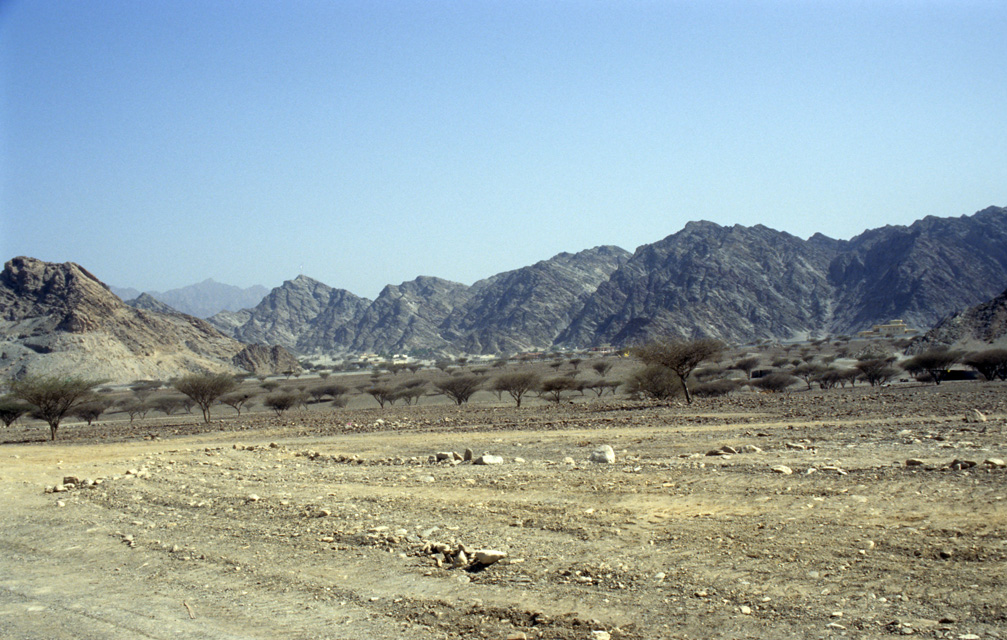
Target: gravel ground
x=326, y=524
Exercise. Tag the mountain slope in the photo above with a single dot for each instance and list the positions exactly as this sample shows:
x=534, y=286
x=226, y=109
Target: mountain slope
x=59, y=319
x=980, y=327
x=733, y=283
x=527, y=308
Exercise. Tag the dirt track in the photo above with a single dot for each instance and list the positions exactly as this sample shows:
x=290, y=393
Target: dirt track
x=315, y=528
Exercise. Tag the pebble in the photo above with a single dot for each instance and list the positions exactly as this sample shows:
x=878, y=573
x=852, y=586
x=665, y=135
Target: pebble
x=600, y=635
x=746, y=610
x=914, y=462
x=785, y=470
x=994, y=462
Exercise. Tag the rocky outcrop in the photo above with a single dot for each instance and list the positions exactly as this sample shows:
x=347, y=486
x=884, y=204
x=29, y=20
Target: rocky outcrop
x=980, y=327
x=265, y=360
x=59, y=319
x=527, y=308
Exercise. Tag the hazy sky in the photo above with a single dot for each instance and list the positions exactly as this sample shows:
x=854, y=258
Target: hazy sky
x=161, y=142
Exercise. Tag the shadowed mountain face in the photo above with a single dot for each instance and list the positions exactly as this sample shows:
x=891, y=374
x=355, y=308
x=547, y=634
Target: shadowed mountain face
x=59, y=319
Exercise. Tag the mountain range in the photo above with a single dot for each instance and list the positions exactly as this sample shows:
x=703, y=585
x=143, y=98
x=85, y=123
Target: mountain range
x=736, y=283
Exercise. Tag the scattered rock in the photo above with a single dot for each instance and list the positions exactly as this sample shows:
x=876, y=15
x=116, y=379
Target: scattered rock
x=975, y=416
x=468, y=455
x=780, y=468
x=994, y=462
x=253, y=498
x=914, y=462
x=488, y=459
x=487, y=557
x=603, y=454
x=750, y=448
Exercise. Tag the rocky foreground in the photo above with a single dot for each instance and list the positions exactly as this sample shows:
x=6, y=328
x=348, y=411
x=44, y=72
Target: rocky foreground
x=853, y=513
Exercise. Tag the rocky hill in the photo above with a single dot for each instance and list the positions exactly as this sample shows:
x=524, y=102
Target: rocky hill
x=527, y=308
x=980, y=327
x=59, y=319
x=148, y=302
x=203, y=299
x=403, y=318
x=288, y=312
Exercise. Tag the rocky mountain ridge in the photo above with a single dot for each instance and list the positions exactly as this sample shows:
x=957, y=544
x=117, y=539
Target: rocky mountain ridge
x=59, y=319
x=739, y=284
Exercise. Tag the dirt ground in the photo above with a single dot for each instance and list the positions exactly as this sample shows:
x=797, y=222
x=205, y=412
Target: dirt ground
x=334, y=524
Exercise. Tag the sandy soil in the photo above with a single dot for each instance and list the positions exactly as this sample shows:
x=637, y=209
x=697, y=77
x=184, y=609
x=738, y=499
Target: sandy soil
x=334, y=524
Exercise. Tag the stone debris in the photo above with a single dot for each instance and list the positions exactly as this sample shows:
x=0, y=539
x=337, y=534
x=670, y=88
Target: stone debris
x=914, y=462
x=780, y=468
x=957, y=464
x=603, y=454
x=994, y=462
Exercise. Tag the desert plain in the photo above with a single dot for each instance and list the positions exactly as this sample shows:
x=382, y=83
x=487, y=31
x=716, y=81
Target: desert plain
x=340, y=523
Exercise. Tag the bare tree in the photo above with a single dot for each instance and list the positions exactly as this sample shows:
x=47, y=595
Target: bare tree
x=52, y=396
x=204, y=389
x=679, y=357
x=516, y=384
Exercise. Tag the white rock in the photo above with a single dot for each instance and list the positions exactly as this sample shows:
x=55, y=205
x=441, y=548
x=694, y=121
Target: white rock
x=994, y=462
x=488, y=459
x=785, y=470
x=488, y=556
x=603, y=454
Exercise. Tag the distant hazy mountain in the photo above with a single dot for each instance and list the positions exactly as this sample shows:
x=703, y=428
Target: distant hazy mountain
x=59, y=319
x=204, y=299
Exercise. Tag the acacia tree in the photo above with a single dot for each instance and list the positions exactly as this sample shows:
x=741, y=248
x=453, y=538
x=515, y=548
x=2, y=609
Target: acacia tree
x=679, y=357
x=935, y=362
x=53, y=396
x=11, y=409
x=90, y=411
x=748, y=365
x=553, y=388
x=459, y=388
x=991, y=363
x=237, y=400
x=204, y=389
x=876, y=371
x=516, y=384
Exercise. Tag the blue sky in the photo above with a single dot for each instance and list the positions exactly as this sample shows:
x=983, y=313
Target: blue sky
x=159, y=143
